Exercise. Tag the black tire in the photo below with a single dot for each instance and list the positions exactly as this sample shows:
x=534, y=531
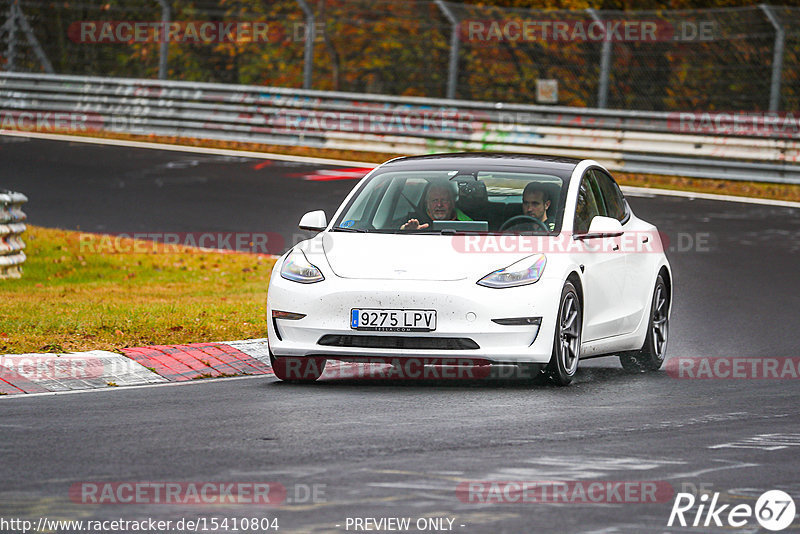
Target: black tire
x=567, y=341
x=652, y=354
x=297, y=370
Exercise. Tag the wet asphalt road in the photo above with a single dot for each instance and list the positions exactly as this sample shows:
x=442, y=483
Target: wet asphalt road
x=400, y=449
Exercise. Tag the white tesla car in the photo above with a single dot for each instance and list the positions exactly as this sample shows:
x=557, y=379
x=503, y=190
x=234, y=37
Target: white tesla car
x=487, y=258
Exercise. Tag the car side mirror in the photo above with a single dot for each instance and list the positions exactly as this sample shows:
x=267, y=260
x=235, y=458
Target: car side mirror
x=314, y=221
x=604, y=227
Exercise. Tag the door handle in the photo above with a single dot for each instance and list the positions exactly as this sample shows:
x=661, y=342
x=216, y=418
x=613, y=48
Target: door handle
x=615, y=247
x=645, y=239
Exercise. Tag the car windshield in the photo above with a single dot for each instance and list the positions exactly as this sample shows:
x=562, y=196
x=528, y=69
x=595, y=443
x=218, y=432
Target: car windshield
x=488, y=200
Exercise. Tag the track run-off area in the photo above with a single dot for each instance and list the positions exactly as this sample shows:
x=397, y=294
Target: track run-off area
x=344, y=449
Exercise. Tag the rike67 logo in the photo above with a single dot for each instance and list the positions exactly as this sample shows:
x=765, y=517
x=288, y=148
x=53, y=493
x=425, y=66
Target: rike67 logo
x=774, y=510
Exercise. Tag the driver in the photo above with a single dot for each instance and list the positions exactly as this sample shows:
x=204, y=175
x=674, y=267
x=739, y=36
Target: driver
x=440, y=205
x=535, y=203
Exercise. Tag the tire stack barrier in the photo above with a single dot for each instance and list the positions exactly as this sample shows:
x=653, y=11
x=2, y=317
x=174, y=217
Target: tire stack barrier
x=11, y=228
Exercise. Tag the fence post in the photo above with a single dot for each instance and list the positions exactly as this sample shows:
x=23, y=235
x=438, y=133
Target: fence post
x=32, y=40
x=308, y=53
x=163, y=51
x=11, y=26
x=455, y=47
x=777, y=58
x=605, y=64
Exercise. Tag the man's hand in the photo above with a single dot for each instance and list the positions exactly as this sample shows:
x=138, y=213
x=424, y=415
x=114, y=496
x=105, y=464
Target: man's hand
x=413, y=224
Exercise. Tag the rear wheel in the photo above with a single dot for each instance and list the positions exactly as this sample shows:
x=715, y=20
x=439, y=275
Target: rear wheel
x=567, y=343
x=651, y=356
x=297, y=370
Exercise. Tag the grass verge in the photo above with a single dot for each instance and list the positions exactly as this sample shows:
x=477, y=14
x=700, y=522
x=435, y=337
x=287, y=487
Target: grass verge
x=76, y=294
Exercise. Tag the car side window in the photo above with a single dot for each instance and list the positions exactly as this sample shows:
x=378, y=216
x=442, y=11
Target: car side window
x=589, y=205
x=614, y=201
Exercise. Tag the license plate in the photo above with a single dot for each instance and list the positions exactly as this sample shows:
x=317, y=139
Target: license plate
x=393, y=320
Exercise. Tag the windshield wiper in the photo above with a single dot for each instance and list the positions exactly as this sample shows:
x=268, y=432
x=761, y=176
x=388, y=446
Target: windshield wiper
x=344, y=229
x=451, y=231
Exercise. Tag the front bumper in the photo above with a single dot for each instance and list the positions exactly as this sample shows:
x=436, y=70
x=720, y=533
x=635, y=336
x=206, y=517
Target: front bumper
x=464, y=311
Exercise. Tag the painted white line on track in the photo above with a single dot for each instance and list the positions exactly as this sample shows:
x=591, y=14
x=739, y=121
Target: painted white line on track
x=128, y=388
x=183, y=148
x=645, y=191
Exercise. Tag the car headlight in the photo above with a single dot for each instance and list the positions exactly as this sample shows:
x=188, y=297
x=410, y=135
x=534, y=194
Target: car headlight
x=525, y=271
x=297, y=268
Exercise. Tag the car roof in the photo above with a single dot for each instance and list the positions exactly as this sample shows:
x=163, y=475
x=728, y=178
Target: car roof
x=556, y=163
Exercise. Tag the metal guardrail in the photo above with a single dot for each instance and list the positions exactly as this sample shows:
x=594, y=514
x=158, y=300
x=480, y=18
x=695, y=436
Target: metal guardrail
x=628, y=141
x=11, y=227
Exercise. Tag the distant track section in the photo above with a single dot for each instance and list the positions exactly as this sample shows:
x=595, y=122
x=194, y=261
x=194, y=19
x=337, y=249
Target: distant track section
x=682, y=144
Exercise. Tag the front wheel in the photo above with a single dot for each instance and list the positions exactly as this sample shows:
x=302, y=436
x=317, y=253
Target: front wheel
x=651, y=356
x=297, y=370
x=567, y=343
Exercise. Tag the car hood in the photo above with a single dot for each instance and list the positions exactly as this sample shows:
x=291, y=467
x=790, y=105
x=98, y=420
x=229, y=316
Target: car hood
x=409, y=257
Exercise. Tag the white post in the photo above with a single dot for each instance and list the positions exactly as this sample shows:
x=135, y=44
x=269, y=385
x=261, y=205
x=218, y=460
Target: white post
x=308, y=54
x=163, y=51
x=455, y=46
x=777, y=58
x=605, y=65
x=11, y=27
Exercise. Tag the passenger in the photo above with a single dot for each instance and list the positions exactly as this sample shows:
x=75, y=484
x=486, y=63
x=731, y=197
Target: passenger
x=440, y=205
x=535, y=203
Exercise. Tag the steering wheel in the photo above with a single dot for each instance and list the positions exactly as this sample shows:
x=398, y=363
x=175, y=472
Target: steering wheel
x=519, y=219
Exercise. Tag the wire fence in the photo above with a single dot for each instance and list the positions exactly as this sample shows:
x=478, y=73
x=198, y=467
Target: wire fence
x=731, y=59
